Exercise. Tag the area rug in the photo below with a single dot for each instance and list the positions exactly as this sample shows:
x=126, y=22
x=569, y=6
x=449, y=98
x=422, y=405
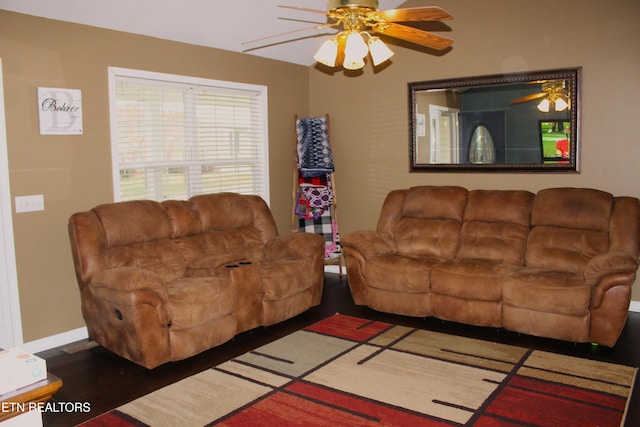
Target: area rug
x=346, y=371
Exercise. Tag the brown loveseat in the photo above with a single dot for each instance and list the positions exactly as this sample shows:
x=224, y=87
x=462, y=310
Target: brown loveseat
x=558, y=264
x=163, y=281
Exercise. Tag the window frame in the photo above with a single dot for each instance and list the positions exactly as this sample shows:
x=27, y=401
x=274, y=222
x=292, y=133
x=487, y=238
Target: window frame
x=114, y=73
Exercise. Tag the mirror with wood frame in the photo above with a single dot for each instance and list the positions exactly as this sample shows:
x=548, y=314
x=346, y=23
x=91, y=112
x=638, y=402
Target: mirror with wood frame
x=517, y=122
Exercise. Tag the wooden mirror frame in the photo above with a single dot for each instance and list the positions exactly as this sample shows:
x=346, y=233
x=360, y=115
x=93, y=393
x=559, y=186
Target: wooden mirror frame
x=497, y=89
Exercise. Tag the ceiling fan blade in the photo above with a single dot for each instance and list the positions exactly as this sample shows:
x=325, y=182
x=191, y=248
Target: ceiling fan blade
x=304, y=9
x=306, y=21
x=414, y=35
x=528, y=98
x=317, y=27
x=430, y=13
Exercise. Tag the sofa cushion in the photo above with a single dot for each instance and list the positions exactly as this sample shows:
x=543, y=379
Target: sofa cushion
x=431, y=221
x=470, y=279
x=499, y=206
x=199, y=300
x=212, y=249
x=400, y=273
x=133, y=222
x=493, y=241
x=546, y=324
x=283, y=279
x=570, y=226
x=563, y=249
x=223, y=211
x=243, y=243
x=428, y=237
x=447, y=202
x=184, y=219
x=547, y=291
x=398, y=302
x=496, y=226
x=160, y=256
x=137, y=234
x=575, y=208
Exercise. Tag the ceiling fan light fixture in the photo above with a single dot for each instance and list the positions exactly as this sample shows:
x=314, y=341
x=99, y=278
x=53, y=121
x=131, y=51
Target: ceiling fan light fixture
x=358, y=18
x=355, y=51
x=355, y=46
x=379, y=51
x=544, y=106
x=354, y=18
x=328, y=53
x=353, y=63
x=561, y=104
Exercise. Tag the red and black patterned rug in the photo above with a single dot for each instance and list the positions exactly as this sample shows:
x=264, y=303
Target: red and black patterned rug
x=346, y=371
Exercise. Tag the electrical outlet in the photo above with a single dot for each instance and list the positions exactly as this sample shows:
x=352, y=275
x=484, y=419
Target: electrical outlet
x=29, y=203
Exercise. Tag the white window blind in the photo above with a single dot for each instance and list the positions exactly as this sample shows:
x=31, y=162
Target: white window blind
x=174, y=137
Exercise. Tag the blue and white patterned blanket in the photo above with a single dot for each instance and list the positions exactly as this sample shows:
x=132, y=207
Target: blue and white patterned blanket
x=314, y=151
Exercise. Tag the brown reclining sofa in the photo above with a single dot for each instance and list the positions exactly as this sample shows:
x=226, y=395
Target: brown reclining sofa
x=161, y=282
x=557, y=264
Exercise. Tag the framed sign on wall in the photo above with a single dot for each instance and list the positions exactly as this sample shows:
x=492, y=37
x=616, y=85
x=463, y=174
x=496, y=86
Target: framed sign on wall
x=60, y=111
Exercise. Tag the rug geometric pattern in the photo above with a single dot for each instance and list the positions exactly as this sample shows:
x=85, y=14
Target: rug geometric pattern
x=346, y=371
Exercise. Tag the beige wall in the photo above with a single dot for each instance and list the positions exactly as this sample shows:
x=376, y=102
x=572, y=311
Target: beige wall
x=74, y=172
x=370, y=112
x=368, y=118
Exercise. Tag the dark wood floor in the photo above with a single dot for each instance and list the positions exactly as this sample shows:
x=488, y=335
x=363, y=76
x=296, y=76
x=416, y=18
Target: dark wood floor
x=107, y=381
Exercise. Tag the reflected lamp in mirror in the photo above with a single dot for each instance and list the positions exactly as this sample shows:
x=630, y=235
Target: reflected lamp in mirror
x=553, y=94
x=481, y=148
x=559, y=104
x=494, y=123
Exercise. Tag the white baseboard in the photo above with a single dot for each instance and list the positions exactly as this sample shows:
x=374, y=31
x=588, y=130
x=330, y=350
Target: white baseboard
x=54, y=341
x=81, y=333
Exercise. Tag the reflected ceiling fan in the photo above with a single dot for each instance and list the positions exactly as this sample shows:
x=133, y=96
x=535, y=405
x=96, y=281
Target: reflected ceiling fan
x=358, y=20
x=554, y=93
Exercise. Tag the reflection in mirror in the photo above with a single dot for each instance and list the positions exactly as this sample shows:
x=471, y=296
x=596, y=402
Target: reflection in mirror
x=482, y=149
x=513, y=122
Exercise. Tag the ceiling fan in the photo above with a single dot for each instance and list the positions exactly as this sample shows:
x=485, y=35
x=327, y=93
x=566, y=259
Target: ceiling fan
x=360, y=19
x=554, y=93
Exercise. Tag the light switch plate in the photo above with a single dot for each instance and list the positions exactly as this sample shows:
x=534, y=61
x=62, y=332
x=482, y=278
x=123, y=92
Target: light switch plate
x=29, y=203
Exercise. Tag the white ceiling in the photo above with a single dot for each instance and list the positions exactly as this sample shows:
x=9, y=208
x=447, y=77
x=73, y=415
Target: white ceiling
x=223, y=24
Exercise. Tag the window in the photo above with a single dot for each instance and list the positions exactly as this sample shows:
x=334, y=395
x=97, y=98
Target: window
x=173, y=137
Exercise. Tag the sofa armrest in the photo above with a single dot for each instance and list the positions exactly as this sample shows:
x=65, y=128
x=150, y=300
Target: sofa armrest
x=130, y=279
x=368, y=243
x=126, y=310
x=608, y=284
x=294, y=246
x=607, y=264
